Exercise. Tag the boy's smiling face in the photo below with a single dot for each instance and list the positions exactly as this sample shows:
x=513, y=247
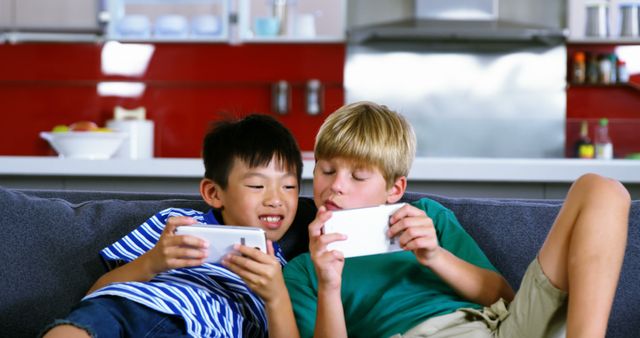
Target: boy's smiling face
x=265, y=197
x=340, y=184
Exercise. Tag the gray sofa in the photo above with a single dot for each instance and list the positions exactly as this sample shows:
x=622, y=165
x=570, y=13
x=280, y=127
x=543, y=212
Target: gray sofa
x=51, y=241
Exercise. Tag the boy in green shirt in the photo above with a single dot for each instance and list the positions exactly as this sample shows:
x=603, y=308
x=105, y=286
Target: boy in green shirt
x=442, y=285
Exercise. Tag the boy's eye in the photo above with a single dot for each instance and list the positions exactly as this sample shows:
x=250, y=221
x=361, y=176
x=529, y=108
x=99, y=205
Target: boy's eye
x=359, y=178
x=328, y=172
x=254, y=186
x=289, y=187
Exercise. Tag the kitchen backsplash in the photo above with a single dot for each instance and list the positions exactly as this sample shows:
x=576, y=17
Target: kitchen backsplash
x=182, y=86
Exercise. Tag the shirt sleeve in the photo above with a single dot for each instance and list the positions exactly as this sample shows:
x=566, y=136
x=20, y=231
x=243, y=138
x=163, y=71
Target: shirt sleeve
x=452, y=236
x=145, y=237
x=300, y=278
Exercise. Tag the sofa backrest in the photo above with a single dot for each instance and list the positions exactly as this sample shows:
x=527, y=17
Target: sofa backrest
x=52, y=239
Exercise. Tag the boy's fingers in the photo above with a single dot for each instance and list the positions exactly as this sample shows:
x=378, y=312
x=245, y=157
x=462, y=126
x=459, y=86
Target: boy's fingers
x=176, y=221
x=315, y=227
x=420, y=221
x=252, y=279
x=270, y=250
x=413, y=233
x=241, y=263
x=191, y=241
x=186, y=253
x=406, y=211
x=253, y=253
x=330, y=238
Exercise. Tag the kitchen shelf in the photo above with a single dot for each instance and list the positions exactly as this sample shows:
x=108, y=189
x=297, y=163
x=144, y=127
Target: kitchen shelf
x=577, y=22
x=118, y=10
x=628, y=85
x=605, y=41
x=327, y=20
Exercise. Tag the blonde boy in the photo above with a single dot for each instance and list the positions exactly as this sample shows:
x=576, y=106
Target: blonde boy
x=441, y=283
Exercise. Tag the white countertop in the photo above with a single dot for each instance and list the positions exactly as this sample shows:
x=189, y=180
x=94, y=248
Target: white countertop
x=424, y=169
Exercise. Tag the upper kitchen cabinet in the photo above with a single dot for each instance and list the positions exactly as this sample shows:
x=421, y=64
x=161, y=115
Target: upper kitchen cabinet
x=49, y=20
x=291, y=21
x=168, y=20
x=5, y=14
x=613, y=21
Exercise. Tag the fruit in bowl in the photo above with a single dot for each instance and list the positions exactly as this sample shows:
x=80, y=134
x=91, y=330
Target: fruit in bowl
x=83, y=126
x=84, y=140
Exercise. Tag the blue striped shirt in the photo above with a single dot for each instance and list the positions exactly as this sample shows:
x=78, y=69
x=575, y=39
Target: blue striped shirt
x=213, y=301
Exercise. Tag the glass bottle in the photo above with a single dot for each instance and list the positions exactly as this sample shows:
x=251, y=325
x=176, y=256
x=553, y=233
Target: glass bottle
x=579, y=74
x=592, y=69
x=613, y=74
x=583, y=146
x=623, y=73
x=604, y=147
x=604, y=69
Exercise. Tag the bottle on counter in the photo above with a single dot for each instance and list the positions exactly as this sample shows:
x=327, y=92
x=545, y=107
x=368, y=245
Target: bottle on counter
x=584, y=147
x=579, y=71
x=604, y=147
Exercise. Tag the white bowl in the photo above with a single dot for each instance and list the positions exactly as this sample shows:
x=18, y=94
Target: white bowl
x=206, y=25
x=94, y=145
x=171, y=26
x=134, y=26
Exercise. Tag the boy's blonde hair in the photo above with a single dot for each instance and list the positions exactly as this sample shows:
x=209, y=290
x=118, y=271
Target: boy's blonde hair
x=370, y=135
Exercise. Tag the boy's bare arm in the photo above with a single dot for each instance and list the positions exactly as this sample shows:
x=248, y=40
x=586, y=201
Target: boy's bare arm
x=263, y=274
x=171, y=252
x=330, y=320
x=417, y=233
x=476, y=284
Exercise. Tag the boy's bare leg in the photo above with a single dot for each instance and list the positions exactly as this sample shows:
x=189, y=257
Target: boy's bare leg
x=66, y=331
x=584, y=250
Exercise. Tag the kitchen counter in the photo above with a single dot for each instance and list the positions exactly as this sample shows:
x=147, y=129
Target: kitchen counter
x=426, y=173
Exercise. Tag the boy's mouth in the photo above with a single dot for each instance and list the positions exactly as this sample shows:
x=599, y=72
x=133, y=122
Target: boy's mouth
x=331, y=206
x=271, y=222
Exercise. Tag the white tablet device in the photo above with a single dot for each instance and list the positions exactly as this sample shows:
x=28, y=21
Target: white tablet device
x=221, y=238
x=366, y=230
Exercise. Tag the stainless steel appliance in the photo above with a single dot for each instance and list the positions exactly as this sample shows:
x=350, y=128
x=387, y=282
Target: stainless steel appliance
x=472, y=85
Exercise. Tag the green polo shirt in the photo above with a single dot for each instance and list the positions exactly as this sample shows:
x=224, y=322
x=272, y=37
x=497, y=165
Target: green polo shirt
x=389, y=293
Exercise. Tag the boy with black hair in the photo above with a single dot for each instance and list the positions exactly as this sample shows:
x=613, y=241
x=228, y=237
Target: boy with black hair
x=442, y=284
x=253, y=169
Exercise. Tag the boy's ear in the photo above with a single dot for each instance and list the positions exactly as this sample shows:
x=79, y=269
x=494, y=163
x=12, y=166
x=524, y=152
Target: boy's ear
x=397, y=190
x=211, y=193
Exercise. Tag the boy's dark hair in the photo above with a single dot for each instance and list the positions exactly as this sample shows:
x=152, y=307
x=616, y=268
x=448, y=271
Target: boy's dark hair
x=255, y=140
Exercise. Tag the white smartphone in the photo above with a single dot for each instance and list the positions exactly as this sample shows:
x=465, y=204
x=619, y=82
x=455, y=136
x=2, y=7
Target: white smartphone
x=221, y=238
x=366, y=230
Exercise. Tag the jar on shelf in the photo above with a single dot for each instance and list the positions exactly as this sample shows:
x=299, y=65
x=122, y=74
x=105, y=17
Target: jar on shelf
x=579, y=71
x=604, y=70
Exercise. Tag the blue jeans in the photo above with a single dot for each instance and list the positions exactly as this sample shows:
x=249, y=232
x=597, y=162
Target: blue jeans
x=104, y=317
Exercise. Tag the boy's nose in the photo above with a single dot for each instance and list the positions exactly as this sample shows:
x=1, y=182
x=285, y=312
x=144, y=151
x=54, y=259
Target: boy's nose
x=337, y=186
x=273, y=199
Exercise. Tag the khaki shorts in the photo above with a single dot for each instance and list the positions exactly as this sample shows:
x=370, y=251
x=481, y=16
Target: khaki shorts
x=538, y=310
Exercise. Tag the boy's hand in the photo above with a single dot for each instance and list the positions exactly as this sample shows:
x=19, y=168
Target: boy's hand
x=416, y=232
x=262, y=272
x=328, y=264
x=173, y=251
